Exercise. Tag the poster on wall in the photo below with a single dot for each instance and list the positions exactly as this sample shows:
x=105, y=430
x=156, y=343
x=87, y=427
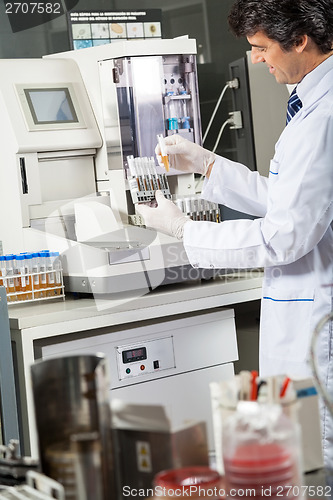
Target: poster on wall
x=92, y=28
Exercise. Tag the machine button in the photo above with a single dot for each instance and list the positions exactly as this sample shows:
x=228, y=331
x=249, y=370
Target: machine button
x=142, y=367
x=128, y=370
x=156, y=364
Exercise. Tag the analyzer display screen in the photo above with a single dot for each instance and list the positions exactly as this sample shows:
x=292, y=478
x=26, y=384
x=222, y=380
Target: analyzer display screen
x=51, y=105
x=134, y=355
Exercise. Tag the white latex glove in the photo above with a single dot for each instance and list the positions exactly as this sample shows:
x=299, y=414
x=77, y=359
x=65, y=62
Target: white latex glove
x=166, y=217
x=185, y=155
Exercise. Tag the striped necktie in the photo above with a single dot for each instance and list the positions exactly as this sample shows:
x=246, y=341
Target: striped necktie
x=294, y=105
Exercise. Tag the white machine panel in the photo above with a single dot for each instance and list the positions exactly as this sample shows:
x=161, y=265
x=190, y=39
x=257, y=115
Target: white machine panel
x=48, y=140
x=50, y=106
x=29, y=89
x=198, y=342
x=168, y=361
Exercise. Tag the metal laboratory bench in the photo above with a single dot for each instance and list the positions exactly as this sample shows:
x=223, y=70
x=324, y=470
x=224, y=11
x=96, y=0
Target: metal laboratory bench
x=87, y=326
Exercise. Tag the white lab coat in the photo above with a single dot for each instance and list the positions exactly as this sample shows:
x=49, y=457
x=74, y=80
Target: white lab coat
x=292, y=238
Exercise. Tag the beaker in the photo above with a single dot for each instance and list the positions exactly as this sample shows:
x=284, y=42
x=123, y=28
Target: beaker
x=262, y=452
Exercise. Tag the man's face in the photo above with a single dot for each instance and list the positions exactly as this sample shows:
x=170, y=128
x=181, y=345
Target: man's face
x=285, y=66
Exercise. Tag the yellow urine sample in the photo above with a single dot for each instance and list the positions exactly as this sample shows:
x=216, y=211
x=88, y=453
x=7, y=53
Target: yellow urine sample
x=165, y=160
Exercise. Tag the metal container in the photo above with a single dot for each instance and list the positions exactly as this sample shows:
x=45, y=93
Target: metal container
x=73, y=420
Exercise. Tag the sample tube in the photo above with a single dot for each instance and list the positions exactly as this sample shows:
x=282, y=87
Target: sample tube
x=133, y=181
x=139, y=174
x=19, y=277
x=205, y=210
x=25, y=271
x=152, y=170
x=188, y=207
x=131, y=167
x=42, y=270
x=164, y=156
x=142, y=172
x=180, y=203
x=50, y=280
x=56, y=264
x=163, y=181
x=147, y=174
x=216, y=212
x=28, y=276
x=3, y=282
x=35, y=275
x=10, y=277
x=195, y=208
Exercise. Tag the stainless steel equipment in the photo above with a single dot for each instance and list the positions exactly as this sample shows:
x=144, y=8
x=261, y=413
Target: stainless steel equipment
x=73, y=422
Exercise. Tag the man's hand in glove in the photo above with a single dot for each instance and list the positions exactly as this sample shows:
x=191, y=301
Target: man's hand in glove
x=185, y=155
x=166, y=217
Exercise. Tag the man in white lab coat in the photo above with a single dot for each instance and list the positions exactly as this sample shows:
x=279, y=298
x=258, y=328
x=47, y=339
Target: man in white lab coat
x=292, y=236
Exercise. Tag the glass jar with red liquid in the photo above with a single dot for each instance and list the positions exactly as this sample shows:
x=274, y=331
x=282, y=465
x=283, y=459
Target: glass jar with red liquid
x=261, y=453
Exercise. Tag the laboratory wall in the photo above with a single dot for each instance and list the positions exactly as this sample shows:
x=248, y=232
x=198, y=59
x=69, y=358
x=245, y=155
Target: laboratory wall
x=204, y=20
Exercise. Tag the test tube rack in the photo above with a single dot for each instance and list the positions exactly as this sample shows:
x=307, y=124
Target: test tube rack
x=198, y=209
x=143, y=180
x=37, y=294
x=31, y=276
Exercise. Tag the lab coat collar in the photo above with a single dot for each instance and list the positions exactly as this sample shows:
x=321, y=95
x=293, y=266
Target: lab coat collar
x=308, y=87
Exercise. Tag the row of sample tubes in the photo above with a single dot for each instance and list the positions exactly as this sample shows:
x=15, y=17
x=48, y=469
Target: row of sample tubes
x=144, y=180
x=31, y=275
x=198, y=209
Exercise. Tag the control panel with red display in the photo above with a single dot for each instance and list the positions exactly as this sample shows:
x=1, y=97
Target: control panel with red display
x=132, y=355
x=145, y=358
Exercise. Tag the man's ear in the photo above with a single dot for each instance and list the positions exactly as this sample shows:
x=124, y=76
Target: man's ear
x=301, y=43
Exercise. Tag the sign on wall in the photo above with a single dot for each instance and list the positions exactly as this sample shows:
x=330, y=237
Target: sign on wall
x=92, y=28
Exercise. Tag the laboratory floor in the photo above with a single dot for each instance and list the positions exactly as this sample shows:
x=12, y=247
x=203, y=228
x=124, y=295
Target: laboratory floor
x=319, y=484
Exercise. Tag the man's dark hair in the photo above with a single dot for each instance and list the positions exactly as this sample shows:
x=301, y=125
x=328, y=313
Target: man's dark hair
x=285, y=21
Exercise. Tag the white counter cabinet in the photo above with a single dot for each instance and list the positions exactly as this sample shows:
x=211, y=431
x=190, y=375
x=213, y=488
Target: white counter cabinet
x=188, y=329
